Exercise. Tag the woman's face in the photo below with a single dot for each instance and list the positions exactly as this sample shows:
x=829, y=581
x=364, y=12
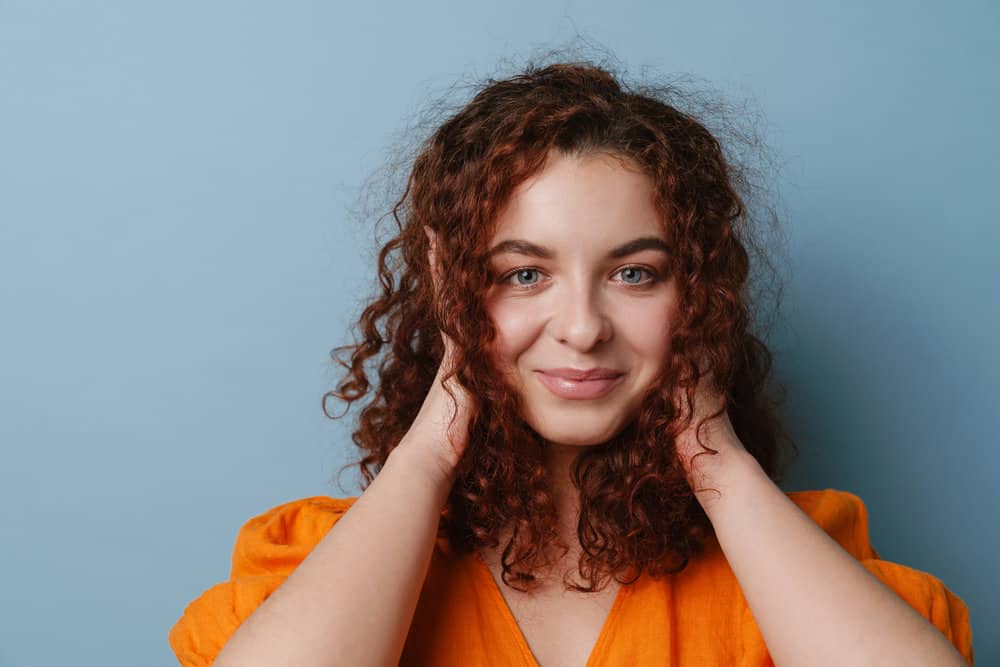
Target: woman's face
x=583, y=281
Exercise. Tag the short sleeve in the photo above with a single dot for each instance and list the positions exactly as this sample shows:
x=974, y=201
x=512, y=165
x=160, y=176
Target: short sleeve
x=268, y=548
x=844, y=517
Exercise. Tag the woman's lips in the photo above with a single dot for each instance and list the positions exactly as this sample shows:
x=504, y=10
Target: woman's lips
x=578, y=389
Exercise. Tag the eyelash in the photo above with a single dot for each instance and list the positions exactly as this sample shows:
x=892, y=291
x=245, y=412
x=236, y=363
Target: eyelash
x=653, y=277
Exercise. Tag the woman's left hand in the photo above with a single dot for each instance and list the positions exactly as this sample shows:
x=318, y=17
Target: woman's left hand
x=716, y=433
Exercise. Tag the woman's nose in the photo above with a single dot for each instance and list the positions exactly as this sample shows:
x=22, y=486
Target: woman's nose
x=580, y=320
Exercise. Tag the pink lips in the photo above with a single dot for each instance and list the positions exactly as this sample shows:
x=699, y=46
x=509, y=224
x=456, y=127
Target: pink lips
x=594, y=384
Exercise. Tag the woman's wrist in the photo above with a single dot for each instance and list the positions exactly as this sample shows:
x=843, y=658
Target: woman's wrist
x=408, y=455
x=714, y=477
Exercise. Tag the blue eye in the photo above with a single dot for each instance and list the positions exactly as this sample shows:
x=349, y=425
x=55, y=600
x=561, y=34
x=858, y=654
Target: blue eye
x=638, y=271
x=520, y=273
x=635, y=272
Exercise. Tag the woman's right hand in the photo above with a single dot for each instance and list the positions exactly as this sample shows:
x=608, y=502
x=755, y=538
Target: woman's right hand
x=440, y=442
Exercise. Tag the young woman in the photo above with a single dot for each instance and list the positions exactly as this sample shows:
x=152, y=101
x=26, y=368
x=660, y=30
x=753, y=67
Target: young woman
x=568, y=307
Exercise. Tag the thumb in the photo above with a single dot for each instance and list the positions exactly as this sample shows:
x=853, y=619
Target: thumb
x=432, y=258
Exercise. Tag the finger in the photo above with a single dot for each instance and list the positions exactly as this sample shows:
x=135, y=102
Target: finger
x=432, y=258
x=435, y=269
x=705, y=365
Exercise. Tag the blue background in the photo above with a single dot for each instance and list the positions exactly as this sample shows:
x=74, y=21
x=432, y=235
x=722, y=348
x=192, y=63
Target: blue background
x=177, y=257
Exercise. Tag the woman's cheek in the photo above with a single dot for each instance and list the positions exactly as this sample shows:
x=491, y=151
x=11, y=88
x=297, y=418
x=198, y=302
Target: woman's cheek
x=518, y=332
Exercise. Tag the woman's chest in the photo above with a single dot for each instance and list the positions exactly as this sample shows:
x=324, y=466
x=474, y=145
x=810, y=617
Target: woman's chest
x=469, y=617
x=561, y=631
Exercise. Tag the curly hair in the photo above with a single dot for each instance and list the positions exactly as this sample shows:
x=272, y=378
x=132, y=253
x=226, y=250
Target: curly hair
x=637, y=511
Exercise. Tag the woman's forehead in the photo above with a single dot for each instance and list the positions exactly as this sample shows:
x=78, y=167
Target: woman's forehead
x=590, y=198
x=592, y=188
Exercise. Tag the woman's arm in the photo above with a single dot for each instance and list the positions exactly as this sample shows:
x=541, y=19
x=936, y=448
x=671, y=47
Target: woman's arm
x=813, y=602
x=352, y=599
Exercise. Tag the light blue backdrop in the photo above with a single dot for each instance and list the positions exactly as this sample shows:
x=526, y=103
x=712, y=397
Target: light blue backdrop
x=176, y=260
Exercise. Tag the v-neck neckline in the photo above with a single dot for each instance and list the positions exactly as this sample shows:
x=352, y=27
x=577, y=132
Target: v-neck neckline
x=602, y=637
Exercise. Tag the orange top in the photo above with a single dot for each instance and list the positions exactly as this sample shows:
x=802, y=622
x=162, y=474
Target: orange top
x=696, y=617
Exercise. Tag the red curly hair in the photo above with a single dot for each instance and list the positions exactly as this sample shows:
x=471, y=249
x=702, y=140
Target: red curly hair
x=637, y=510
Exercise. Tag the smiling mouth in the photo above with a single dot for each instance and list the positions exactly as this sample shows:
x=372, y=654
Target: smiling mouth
x=579, y=389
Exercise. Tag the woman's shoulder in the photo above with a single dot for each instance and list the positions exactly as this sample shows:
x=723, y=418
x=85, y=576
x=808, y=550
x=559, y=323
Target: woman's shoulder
x=842, y=515
x=281, y=537
x=269, y=546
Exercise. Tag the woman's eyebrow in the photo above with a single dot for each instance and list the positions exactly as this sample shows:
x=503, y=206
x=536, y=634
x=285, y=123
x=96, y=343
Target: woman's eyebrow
x=638, y=245
x=522, y=247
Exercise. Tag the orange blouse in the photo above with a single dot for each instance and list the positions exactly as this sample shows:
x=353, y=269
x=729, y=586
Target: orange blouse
x=696, y=617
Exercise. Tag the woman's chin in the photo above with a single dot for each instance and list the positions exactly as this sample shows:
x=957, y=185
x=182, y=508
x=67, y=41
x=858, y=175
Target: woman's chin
x=575, y=432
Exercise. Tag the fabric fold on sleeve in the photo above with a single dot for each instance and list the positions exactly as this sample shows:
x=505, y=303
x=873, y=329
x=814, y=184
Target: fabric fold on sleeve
x=268, y=548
